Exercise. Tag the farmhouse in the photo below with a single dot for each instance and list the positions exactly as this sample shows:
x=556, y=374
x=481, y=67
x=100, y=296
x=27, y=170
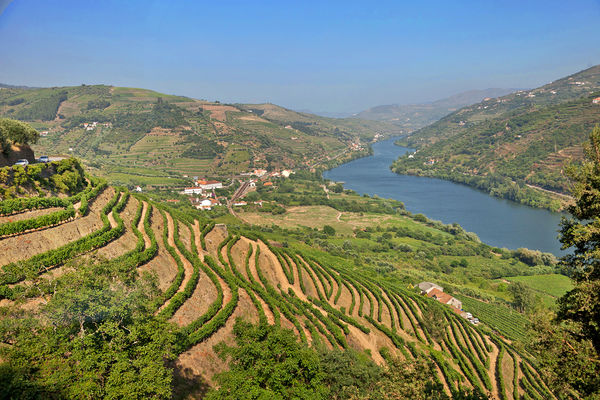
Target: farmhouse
x=596, y=100
x=207, y=204
x=445, y=298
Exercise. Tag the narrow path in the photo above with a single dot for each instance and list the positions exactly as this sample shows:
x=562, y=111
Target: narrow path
x=197, y=233
x=110, y=216
x=142, y=229
x=564, y=196
x=492, y=370
x=187, y=266
x=339, y=216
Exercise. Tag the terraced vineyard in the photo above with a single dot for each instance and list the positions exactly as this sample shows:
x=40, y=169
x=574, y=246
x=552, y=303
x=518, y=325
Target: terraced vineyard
x=209, y=275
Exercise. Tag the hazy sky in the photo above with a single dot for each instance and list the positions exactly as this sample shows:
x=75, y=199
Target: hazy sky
x=318, y=55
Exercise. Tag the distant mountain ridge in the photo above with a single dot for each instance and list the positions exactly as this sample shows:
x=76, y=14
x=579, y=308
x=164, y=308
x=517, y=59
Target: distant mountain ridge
x=511, y=145
x=6, y=86
x=414, y=116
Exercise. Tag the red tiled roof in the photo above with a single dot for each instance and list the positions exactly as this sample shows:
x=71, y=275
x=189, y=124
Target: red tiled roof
x=439, y=295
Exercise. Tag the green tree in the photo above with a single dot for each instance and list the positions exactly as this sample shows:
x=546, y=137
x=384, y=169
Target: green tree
x=329, y=230
x=268, y=363
x=582, y=233
x=96, y=338
x=569, y=347
x=524, y=298
x=337, y=188
x=16, y=132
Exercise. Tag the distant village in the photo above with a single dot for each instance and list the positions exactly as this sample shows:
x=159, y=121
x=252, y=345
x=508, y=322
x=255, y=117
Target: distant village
x=202, y=194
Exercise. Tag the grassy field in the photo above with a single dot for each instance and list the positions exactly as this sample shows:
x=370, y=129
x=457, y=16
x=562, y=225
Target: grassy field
x=554, y=285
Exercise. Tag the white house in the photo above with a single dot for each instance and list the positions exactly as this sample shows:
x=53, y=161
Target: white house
x=209, y=185
x=192, y=190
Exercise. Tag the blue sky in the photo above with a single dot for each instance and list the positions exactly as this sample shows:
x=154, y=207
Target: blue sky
x=338, y=56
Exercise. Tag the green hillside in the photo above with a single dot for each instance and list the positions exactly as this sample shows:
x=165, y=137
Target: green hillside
x=572, y=87
x=128, y=297
x=514, y=146
x=145, y=137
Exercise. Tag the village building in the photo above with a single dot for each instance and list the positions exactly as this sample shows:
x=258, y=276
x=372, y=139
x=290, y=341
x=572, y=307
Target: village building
x=444, y=298
x=138, y=189
x=286, y=173
x=209, y=185
x=192, y=190
x=259, y=172
x=596, y=100
x=207, y=204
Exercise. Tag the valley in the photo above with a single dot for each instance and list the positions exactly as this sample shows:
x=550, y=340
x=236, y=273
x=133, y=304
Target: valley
x=511, y=145
x=346, y=287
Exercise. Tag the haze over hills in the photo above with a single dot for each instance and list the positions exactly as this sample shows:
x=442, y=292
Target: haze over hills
x=142, y=136
x=502, y=145
x=414, y=116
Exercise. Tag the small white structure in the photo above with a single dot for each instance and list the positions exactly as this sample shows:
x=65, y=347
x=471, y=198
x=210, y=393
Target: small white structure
x=286, y=173
x=207, y=204
x=138, y=189
x=192, y=190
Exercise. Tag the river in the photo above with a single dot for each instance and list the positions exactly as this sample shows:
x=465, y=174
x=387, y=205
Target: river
x=497, y=222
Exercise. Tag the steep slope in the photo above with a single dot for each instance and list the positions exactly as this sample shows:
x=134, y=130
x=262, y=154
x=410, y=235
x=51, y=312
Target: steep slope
x=569, y=88
x=411, y=117
x=512, y=145
x=209, y=274
x=140, y=136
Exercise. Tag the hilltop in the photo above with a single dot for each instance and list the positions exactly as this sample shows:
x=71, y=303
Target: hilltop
x=411, y=117
x=513, y=146
x=138, y=136
x=344, y=283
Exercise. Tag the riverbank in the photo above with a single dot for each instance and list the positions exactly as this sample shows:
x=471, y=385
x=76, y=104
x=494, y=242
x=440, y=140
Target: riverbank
x=498, y=222
x=496, y=185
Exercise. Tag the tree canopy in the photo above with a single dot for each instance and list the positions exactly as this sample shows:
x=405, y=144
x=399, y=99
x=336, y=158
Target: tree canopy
x=17, y=132
x=568, y=347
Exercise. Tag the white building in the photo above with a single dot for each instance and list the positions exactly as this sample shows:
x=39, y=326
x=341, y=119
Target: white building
x=192, y=190
x=209, y=185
